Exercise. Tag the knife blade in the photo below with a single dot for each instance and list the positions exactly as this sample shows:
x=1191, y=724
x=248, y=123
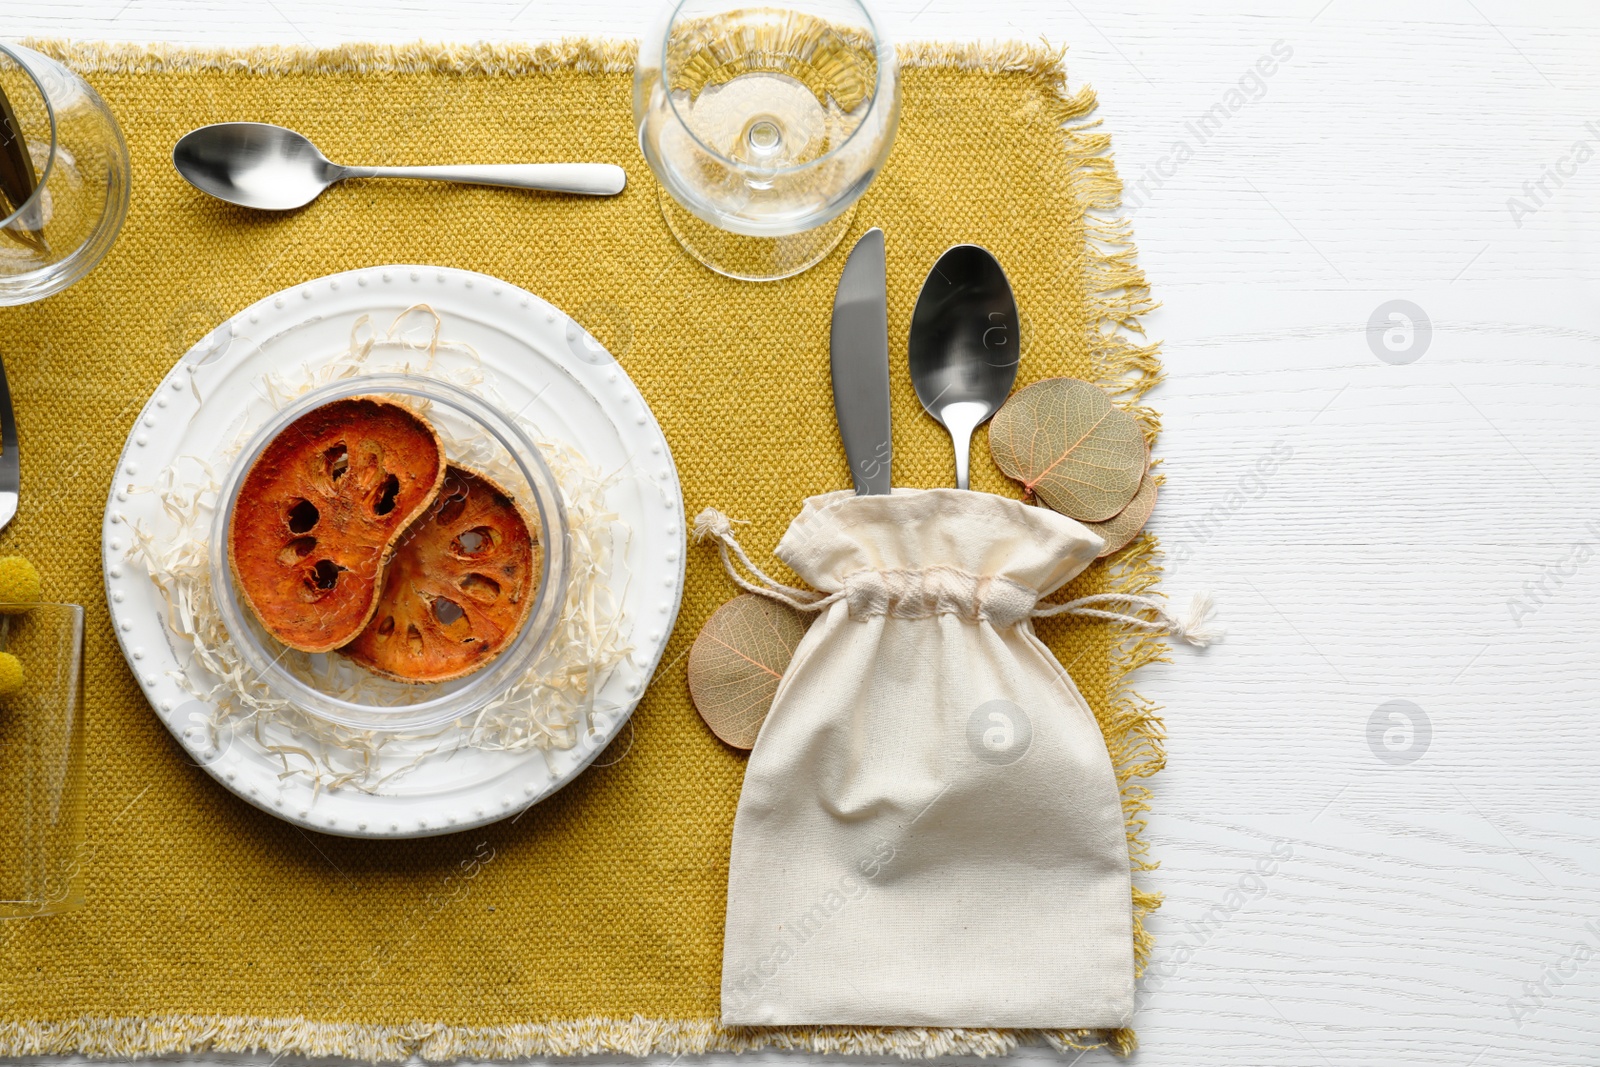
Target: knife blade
x=10, y=469
x=859, y=344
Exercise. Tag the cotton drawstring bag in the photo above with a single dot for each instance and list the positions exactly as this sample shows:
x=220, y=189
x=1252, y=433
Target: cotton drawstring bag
x=930, y=831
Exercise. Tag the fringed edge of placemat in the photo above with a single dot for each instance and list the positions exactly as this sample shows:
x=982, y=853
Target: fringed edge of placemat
x=437, y=1042
x=582, y=54
x=1128, y=365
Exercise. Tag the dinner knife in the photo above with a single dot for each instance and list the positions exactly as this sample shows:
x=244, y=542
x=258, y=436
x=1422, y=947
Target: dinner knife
x=10, y=469
x=860, y=364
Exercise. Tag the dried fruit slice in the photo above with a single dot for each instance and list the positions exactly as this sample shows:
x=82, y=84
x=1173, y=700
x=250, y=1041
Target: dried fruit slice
x=320, y=511
x=459, y=589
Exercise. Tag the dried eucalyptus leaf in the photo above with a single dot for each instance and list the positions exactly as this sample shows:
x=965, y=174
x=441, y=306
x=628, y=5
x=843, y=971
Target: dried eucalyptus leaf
x=737, y=662
x=1125, y=525
x=1065, y=442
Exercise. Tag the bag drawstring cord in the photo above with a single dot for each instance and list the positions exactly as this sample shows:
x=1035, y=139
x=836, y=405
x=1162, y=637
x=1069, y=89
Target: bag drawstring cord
x=1195, y=627
x=713, y=523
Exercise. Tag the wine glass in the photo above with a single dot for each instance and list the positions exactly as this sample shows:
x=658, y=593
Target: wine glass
x=63, y=176
x=764, y=126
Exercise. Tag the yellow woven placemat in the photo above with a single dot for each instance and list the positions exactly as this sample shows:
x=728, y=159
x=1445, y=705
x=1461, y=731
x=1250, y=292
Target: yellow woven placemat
x=595, y=921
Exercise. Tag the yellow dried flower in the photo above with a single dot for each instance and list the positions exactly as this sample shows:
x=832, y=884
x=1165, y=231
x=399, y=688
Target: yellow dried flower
x=10, y=673
x=19, y=585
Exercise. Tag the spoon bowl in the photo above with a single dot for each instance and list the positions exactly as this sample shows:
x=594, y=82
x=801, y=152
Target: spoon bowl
x=258, y=165
x=964, y=345
x=254, y=165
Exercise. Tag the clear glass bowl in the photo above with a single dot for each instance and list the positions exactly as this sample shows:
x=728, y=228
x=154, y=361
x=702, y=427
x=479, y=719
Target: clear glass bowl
x=62, y=208
x=330, y=687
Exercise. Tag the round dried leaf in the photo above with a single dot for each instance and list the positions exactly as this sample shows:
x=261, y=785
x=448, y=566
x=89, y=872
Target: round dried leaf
x=1125, y=525
x=737, y=662
x=1065, y=441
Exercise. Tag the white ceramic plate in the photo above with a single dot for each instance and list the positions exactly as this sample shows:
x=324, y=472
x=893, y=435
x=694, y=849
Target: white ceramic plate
x=536, y=359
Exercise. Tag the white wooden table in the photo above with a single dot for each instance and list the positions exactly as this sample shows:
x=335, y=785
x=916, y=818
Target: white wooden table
x=1402, y=525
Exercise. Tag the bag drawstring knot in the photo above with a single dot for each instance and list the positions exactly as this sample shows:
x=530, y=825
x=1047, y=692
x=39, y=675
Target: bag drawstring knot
x=712, y=523
x=1194, y=627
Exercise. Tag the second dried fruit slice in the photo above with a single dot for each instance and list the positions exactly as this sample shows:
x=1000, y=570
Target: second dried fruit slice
x=319, y=513
x=459, y=589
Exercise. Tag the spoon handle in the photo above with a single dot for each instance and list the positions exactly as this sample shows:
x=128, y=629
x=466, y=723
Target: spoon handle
x=588, y=179
x=963, y=445
x=961, y=419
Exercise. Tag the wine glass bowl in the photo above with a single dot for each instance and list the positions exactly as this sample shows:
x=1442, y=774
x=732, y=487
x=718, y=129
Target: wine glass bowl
x=764, y=125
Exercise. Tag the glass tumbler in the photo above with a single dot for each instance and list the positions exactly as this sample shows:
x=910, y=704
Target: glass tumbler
x=764, y=125
x=63, y=176
x=42, y=785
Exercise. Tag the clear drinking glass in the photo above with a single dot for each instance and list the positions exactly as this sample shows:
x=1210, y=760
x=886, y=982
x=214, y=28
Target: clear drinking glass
x=63, y=176
x=764, y=126
x=42, y=777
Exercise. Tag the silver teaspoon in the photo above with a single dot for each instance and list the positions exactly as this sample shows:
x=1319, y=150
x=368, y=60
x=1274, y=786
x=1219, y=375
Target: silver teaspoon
x=257, y=165
x=964, y=345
